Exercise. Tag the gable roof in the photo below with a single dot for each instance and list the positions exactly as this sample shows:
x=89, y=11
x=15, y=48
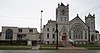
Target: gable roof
x=63, y=29
x=77, y=17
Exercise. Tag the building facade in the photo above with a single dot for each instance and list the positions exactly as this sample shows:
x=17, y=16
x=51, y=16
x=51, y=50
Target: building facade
x=77, y=30
x=23, y=34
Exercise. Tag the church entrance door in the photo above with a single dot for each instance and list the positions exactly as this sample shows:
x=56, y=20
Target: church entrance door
x=64, y=37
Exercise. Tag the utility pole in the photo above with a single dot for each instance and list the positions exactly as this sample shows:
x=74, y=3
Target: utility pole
x=57, y=36
x=89, y=34
x=41, y=29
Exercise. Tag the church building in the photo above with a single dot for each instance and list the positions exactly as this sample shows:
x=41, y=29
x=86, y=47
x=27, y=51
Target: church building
x=77, y=30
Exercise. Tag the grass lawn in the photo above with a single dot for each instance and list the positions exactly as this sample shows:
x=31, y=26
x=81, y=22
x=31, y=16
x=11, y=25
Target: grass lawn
x=48, y=47
x=89, y=46
x=93, y=48
x=9, y=47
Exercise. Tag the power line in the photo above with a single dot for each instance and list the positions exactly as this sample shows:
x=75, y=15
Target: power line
x=90, y=10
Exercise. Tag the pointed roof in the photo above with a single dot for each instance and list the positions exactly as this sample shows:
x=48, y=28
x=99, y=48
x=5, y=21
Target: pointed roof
x=89, y=15
x=62, y=4
x=77, y=17
x=67, y=4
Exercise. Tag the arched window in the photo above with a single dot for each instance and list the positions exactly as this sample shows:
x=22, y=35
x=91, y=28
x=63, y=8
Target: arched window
x=92, y=38
x=78, y=32
x=9, y=34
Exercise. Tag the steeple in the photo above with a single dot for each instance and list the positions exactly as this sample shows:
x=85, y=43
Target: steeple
x=67, y=4
x=58, y=4
x=62, y=4
x=93, y=15
x=62, y=13
x=90, y=16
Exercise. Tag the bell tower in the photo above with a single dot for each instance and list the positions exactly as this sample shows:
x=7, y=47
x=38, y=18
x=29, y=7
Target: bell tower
x=62, y=13
x=62, y=19
x=90, y=22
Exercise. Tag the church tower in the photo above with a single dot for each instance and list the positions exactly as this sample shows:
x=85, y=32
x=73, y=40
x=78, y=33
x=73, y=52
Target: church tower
x=62, y=14
x=90, y=22
x=62, y=19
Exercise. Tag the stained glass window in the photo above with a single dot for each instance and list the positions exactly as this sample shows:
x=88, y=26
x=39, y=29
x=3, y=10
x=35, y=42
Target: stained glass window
x=9, y=34
x=78, y=32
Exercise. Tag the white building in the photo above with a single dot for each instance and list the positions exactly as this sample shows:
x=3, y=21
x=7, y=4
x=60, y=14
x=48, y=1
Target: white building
x=77, y=30
x=30, y=35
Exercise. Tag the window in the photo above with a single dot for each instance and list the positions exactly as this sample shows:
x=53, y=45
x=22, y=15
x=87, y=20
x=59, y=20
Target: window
x=19, y=37
x=96, y=37
x=85, y=35
x=53, y=29
x=65, y=19
x=9, y=34
x=92, y=38
x=69, y=34
x=48, y=42
x=20, y=30
x=47, y=35
x=78, y=32
x=92, y=25
x=47, y=29
x=53, y=36
x=30, y=30
x=39, y=37
x=63, y=12
x=61, y=18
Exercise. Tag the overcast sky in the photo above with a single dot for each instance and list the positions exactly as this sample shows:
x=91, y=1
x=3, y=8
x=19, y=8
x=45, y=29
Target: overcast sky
x=27, y=13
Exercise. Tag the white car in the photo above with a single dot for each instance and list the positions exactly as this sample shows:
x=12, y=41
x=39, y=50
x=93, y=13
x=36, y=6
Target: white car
x=70, y=40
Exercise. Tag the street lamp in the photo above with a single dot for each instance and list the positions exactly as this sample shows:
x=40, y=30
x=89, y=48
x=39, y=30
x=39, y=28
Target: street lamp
x=41, y=29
